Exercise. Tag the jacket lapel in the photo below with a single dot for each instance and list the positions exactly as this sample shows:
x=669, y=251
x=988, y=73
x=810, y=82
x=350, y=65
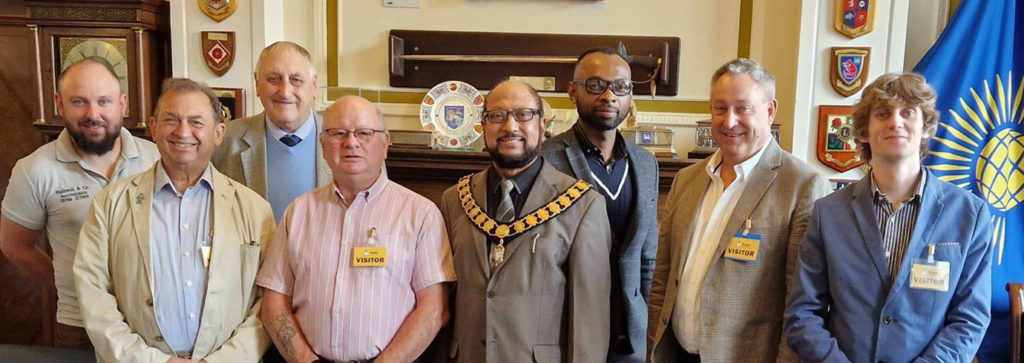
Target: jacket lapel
x=542, y=192
x=254, y=158
x=577, y=161
x=692, y=195
x=864, y=213
x=761, y=177
x=642, y=196
x=478, y=187
x=931, y=209
x=222, y=260
x=141, y=202
x=323, y=172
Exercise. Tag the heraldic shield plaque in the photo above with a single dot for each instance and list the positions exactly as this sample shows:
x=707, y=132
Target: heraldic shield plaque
x=855, y=17
x=218, y=9
x=837, y=147
x=218, y=51
x=848, y=69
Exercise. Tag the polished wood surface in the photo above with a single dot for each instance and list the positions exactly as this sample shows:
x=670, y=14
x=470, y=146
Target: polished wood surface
x=1016, y=291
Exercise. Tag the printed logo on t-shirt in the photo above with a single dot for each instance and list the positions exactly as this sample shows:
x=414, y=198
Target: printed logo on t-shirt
x=73, y=193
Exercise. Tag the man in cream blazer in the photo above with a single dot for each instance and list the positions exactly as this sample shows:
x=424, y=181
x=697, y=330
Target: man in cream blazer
x=125, y=245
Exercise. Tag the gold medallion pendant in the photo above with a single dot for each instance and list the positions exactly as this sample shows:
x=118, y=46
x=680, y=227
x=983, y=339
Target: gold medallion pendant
x=502, y=231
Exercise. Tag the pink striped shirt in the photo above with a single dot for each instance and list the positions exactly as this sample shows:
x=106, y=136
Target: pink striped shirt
x=346, y=312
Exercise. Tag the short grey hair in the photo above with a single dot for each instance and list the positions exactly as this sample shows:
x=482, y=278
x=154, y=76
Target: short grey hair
x=185, y=85
x=765, y=80
x=284, y=44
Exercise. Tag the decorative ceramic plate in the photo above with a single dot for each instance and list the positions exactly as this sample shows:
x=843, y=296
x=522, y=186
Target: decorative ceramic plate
x=451, y=110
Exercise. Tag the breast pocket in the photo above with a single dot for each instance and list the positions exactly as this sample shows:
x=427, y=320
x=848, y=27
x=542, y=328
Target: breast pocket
x=250, y=265
x=400, y=248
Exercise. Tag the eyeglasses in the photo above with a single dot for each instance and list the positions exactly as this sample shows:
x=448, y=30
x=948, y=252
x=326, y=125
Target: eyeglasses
x=620, y=87
x=520, y=114
x=340, y=135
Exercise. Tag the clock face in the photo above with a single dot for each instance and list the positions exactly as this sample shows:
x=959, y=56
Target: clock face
x=110, y=51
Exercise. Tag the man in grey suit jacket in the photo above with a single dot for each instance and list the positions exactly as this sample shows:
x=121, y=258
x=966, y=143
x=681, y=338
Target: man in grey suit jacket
x=730, y=236
x=282, y=140
x=530, y=247
x=627, y=175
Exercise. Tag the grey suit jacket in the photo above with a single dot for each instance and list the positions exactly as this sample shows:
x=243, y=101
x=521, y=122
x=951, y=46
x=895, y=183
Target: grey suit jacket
x=548, y=302
x=243, y=154
x=637, y=254
x=741, y=303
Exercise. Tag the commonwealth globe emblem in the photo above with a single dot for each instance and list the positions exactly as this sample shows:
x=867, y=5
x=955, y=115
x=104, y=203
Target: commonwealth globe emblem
x=1000, y=170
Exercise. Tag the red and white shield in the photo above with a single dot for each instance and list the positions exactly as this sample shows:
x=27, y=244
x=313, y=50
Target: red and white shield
x=219, y=51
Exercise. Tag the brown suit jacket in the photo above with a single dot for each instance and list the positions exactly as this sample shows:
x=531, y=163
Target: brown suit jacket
x=741, y=303
x=548, y=302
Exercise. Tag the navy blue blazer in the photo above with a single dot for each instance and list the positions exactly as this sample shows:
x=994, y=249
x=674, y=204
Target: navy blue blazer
x=640, y=248
x=842, y=307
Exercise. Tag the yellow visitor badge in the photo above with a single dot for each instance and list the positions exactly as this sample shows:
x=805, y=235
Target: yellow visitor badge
x=743, y=248
x=929, y=274
x=370, y=257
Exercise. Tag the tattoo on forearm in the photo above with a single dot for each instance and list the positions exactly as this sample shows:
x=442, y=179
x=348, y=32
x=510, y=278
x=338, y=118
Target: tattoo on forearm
x=285, y=333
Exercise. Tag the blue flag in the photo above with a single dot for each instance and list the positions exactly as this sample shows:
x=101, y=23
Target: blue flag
x=977, y=69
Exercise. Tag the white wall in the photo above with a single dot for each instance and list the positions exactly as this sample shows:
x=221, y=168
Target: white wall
x=256, y=24
x=887, y=42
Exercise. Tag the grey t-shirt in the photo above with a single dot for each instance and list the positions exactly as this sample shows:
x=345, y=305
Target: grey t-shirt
x=52, y=188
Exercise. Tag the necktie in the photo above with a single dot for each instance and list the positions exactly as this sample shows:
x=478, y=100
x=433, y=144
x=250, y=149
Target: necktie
x=290, y=140
x=506, y=209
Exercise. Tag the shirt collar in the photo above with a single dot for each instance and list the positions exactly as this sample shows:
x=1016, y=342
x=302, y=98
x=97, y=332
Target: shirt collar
x=618, y=151
x=66, y=148
x=162, y=181
x=303, y=132
x=523, y=181
x=369, y=194
x=879, y=196
x=742, y=169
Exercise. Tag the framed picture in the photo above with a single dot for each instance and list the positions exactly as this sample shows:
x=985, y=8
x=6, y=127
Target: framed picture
x=232, y=102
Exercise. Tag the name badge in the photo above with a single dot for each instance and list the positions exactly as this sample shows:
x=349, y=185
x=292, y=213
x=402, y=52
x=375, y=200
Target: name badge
x=927, y=275
x=370, y=257
x=206, y=256
x=743, y=247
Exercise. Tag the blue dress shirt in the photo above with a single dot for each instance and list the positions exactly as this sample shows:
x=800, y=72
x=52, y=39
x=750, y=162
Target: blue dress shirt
x=179, y=229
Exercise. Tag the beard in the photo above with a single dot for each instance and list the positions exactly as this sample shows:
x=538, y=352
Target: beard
x=590, y=118
x=514, y=161
x=87, y=146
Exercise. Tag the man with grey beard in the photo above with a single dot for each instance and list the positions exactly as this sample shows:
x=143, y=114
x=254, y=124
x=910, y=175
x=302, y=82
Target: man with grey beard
x=51, y=188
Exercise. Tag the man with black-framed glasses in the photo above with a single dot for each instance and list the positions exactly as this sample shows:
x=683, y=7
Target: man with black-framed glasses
x=530, y=246
x=359, y=268
x=594, y=150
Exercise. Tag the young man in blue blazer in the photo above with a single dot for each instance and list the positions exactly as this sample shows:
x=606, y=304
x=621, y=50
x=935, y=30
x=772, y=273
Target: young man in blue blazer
x=894, y=267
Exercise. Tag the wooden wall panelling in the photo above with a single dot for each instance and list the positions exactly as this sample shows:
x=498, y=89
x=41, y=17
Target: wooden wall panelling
x=26, y=308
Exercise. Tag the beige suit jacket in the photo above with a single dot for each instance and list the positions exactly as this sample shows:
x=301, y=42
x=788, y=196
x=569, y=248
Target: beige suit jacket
x=243, y=154
x=548, y=302
x=113, y=274
x=741, y=303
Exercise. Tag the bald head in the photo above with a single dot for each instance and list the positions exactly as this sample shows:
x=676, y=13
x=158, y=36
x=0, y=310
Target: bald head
x=349, y=107
x=594, y=60
x=506, y=88
x=91, y=68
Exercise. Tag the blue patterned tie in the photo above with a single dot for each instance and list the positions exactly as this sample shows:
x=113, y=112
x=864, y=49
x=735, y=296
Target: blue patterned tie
x=290, y=140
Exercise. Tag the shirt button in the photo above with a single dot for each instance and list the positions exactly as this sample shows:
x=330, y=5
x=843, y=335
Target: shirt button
x=490, y=294
x=188, y=283
x=187, y=253
x=888, y=320
x=192, y=316
x=185, y=226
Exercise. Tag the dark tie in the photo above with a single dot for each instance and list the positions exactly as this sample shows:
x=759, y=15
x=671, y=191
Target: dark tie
x=290, y=140
x=506, y=209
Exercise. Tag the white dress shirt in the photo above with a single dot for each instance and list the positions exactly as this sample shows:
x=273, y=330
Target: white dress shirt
x=715, y=210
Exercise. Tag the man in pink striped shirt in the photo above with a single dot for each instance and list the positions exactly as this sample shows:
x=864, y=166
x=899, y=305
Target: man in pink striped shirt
x=358, y=270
